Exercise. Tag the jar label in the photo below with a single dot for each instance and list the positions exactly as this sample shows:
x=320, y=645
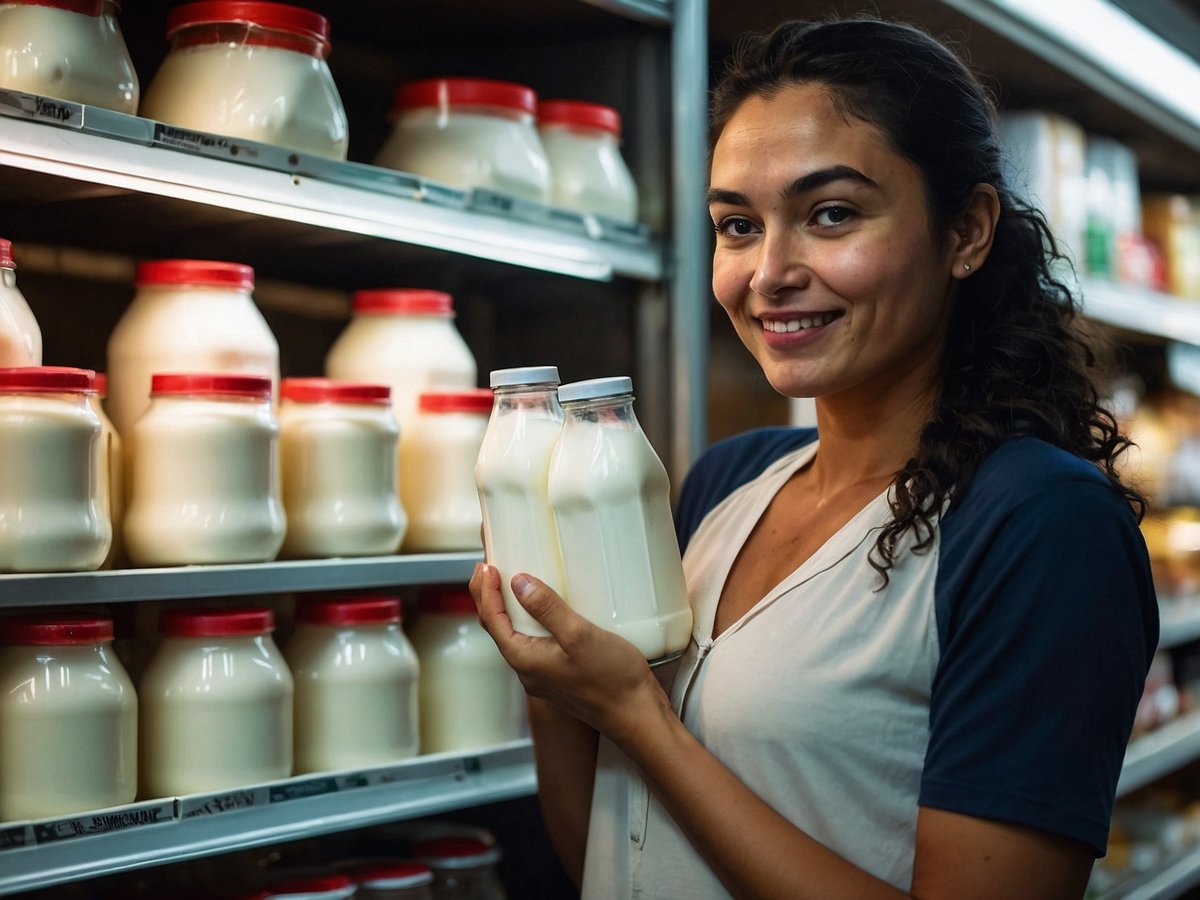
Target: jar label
x=197, y=805
x=155, y=812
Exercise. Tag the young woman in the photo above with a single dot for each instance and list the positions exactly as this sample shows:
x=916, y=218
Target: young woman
x=922, y=630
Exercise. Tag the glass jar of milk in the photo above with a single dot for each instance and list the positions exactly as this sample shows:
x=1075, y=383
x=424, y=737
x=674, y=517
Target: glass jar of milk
x=463, y=868
x=67, y=49
x=511, y=475
x=216, y=703
x=611, y=500
x=384, y=879
x=53, y=478
x=204, y=484
x=20, y=335
x=587, y=171
x=250, y=70
x=356, y=684
x=467, y=133
x=437, y=471
x=187, y=315
x=113, y=464
x=338, y=444
x=468, y=696
x=68, y=717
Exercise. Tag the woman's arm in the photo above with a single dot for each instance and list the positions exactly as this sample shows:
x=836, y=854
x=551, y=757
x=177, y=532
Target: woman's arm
x=601, y=679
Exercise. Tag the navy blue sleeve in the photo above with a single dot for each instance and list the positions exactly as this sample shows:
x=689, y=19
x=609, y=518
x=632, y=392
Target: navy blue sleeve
x=1047, y=621
x=726, y=466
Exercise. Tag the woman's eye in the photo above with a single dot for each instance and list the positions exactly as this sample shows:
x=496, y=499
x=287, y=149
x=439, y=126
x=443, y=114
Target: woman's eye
x=734, y=227
x=830, y=216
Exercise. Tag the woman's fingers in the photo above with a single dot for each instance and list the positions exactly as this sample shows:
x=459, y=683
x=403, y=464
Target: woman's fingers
x=489, y=601
x=549, y=609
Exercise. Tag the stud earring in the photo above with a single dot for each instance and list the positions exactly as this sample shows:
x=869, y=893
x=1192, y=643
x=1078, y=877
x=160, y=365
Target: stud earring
x=966, y=267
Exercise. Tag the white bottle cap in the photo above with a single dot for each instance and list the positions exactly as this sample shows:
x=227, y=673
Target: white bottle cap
x=524, y=375
x=594, y=388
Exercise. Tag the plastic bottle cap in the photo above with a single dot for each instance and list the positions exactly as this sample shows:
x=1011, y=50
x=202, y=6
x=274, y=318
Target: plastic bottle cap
x=443, y=92
x=455, y=601
x=85, y=7
x=584, y=115
x=327, y=390
x=404, y=300
x=6, y=255
x=318, y=887
x=55, y=629
x=194, y=272
x=391, y=876
x=46, y=379
x=524, y=375
x=478, y=400
x=595, y=388
x=360, y=609
x=210, y=384
x=455, y=852
x=293, y=20
x=102, y=384
x=246, y=620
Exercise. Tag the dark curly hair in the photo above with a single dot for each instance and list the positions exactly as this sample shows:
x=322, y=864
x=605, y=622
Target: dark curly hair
x=1018, y=359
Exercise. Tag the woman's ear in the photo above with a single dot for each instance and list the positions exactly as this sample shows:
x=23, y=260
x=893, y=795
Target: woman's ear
x=974, y=231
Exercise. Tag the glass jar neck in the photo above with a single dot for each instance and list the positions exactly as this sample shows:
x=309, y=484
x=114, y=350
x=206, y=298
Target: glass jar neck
x=528, y=397
x=615, y=411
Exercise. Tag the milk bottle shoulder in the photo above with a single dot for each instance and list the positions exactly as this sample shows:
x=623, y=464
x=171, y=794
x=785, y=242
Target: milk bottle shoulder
x=20, y=334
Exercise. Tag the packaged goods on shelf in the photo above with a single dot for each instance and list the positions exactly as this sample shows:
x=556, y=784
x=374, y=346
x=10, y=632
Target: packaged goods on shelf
x=1161, y=700
x=385, y=879
x=463, y=868
x=437, y=471
x=20, y=334
x=250, y=70
x=113, y=465
x=1172, y=222
x=1044, y=160
x=68, y=717
x=204, y=482
x=71, y=49
x=54, y=472
x=587, y=171
x=468, y=133
x=339, y=445
x=1114, y=210
x=469, y=697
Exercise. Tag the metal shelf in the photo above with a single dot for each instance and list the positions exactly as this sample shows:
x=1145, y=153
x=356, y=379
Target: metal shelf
x=1160, y=752
x=184, y=582
x=657, y=12
x=141, y=835
x=1165, y=881
x=1179, y=621
x=1148, y=312
x=117, y=154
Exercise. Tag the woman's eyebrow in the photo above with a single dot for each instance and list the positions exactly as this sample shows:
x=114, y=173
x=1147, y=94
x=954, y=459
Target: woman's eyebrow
x=804, y=183
x=732, y=198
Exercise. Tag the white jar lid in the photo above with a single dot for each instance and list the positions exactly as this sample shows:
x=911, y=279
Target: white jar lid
x=524, y=375
x=594, y=388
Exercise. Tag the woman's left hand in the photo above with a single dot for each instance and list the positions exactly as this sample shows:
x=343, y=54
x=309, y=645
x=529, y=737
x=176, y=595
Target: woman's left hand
x=594, y=675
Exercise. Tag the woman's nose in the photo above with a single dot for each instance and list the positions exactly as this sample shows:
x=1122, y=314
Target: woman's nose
x=780, y=265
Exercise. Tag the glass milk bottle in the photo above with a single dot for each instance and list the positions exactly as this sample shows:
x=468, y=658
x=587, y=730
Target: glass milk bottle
x=356, y=684
x=68, y=717
x=216, y=703
x=611, y=501
x=20, y=335
x=511, y=473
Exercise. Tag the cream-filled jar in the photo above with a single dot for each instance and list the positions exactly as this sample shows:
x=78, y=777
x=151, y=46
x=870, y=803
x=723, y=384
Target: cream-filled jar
x=469, y=697
x=20, y=334
x=437, y=471
x=339, y=446
x=587, y=171
x=67, y=49
x=53, y=505
x=113, y=467
x=216, y=703
x=356, y=684
x=468, y=133
x=204, y=483
x=187, y=315
x=68, y=717
x=250, y=70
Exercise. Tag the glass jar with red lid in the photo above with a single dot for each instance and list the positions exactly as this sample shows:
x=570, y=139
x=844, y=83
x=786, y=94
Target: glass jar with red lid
x=587, y=171
x=463, y=868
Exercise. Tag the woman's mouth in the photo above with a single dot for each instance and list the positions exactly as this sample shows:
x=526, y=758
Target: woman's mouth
x=799, y=323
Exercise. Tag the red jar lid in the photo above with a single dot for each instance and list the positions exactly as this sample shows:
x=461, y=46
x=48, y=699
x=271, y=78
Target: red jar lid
x=584, y=115
x=478, y=400
x=292, y=20
x=198, y=272
x=6, y=255
x=348, y=609
x=386, y=875
x=440, y=92
x=335, y=886
x=46, y=379
x=86, y=7
x=403, y=300
x=456, y=852
x=245, y=620
x=452, y=600
x=56, y=628
x=210, y=384
x=102, y=384
x=327, y=390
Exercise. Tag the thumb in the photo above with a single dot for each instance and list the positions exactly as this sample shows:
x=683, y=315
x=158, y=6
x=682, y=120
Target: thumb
x=541, y=602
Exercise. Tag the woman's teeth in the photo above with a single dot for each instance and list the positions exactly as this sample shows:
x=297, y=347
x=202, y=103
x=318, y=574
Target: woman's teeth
x=780, y=326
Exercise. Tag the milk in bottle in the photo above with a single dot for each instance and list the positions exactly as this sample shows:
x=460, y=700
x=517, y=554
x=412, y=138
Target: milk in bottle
x=611, y=501
x=511, y=473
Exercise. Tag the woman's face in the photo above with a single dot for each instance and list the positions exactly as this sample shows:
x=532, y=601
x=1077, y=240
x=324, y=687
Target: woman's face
x=825, y=257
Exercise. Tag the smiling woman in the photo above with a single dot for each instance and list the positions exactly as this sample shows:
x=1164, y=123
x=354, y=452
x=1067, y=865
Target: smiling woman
x=922, y=629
